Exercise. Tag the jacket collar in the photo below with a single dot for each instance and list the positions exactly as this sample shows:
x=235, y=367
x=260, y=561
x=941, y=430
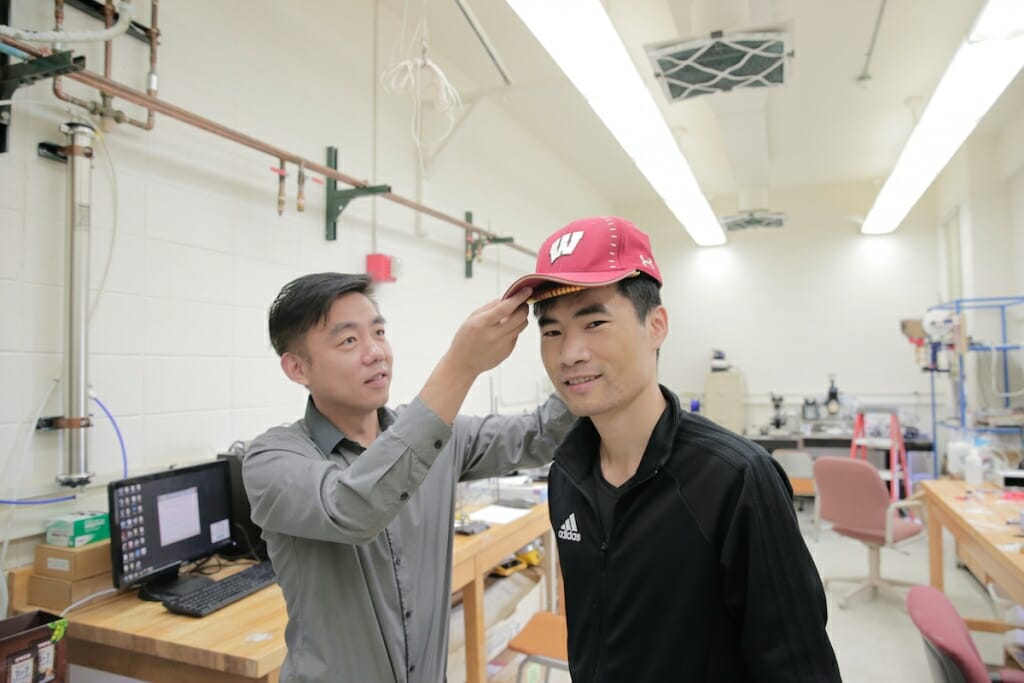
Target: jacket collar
x=327, y=437
x=578, y=451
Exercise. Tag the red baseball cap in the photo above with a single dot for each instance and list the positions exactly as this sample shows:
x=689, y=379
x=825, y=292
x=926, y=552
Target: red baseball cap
x=589, y=252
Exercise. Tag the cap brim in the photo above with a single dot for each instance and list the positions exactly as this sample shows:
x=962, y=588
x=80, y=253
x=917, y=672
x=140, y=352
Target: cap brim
x=578, y=280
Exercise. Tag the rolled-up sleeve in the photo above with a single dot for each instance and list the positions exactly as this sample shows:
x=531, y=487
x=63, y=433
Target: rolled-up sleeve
x=295, y=490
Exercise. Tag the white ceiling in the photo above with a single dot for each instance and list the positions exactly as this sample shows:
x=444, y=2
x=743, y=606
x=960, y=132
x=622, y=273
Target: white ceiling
x=822, y=127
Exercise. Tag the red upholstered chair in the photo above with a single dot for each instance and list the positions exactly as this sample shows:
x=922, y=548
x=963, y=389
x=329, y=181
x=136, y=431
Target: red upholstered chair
x=952, y=654
x=853, y=498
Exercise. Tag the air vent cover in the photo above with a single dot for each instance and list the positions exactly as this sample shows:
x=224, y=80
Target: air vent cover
x=719, y=63
x=755, y=218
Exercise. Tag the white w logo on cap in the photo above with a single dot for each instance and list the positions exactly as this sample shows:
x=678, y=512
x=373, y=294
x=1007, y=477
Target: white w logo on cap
x=565, y=245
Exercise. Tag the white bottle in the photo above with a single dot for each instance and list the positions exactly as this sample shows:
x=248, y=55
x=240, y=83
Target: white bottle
x=974, y=468
x=956, y=454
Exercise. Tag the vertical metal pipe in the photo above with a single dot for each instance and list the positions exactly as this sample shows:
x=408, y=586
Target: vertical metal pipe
x=75, y=466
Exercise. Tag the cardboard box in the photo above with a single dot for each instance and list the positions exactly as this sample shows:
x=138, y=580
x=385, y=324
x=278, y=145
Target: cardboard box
x=73, y=564
x=33, y=645
x=56, y=594
x=78, y=529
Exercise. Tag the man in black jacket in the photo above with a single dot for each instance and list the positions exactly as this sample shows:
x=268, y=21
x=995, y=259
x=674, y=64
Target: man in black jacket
x=680, y=551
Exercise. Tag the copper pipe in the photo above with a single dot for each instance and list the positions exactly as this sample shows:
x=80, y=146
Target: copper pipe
x=154, y=37
x=151, y=81
x=108, y=46
x=142, y=99
x=58, y=90
x=108, y=116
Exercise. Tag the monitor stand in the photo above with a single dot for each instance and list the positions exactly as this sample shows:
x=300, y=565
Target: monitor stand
x=169, y=583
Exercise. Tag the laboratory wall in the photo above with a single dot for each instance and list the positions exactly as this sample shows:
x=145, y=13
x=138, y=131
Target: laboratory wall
x=188, y=225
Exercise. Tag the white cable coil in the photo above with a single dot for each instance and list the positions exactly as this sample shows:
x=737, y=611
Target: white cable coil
x=124, y=20
x=414, y=72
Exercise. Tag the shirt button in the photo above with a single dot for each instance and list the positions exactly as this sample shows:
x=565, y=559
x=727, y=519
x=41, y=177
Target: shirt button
x=438, y=444
x=408, y=613
x=404, y=496
x=398, y=562
x=412, y=667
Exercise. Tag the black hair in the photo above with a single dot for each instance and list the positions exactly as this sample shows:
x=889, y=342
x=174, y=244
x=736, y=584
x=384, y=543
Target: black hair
x=642, y=290
x=306, y=301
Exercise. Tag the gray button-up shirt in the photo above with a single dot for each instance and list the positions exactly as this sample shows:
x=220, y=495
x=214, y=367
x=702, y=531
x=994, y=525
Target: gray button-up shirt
x=361, y=539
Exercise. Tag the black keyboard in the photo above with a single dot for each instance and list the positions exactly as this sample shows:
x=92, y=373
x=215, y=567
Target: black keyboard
x=212, y=597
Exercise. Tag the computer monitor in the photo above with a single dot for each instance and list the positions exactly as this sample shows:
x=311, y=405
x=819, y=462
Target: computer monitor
x=162, y=521
x=249, y=539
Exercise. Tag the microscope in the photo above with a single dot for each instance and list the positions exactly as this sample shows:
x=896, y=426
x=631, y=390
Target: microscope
x=778, y=412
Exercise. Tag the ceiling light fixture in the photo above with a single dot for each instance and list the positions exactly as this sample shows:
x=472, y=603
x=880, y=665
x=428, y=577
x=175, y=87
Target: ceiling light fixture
x=983, y=66
x=581, y=39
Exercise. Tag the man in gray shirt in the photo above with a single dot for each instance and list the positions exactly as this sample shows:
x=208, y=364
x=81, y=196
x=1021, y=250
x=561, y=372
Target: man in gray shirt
x=357, y=501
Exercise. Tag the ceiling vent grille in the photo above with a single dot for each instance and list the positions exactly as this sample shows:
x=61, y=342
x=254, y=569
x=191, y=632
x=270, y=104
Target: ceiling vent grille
x=719, y=64
x=755, y=218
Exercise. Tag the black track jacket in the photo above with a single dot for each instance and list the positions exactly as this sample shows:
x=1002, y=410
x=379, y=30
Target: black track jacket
x=705, y=576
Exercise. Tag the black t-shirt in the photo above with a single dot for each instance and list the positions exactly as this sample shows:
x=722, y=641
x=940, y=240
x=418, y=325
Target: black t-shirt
x=607, y=496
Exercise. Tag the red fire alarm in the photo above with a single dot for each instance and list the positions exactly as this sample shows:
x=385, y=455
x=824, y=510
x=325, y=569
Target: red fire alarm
x=378, y=266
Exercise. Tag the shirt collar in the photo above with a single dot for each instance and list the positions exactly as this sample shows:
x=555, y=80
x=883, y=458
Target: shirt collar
x=327, y=437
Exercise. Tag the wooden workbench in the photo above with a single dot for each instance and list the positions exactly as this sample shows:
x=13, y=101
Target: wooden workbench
x=245, y=641
x=977, y=518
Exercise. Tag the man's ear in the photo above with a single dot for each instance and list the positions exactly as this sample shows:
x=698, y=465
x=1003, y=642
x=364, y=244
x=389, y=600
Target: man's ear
x=657, y=323
x=295, y=367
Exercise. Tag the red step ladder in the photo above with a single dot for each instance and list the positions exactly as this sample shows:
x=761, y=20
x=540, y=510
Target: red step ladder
x=861, y=442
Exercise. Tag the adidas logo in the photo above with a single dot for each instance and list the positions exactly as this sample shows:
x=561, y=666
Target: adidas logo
x=568, y=531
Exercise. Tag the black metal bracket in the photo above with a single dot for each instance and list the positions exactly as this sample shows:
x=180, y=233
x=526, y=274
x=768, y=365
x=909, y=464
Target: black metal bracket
x=52, y=151
x=96, y=10
x=14, y=76
x=475, y=245
x=337, y=199
x=5, y=110
x=48, y=424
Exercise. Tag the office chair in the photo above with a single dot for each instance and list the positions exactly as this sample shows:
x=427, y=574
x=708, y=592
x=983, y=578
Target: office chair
x=545, y=638
x=544, y=641
x=853, y=498
x=952, y=655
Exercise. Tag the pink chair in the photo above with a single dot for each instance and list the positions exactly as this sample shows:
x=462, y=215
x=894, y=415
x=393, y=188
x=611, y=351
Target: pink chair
x=952, y=655
x=853, y=498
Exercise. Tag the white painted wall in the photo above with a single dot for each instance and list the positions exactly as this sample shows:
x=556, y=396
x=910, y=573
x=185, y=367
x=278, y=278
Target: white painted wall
x=179, y=349
x=792, y=306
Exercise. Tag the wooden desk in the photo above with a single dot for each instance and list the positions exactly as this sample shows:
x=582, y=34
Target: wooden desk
x=978, y=523
x=244, y=642
x=475, y=556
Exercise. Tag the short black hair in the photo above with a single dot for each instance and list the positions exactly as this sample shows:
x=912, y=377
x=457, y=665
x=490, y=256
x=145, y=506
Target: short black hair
x=306, y=301
x=642, y=290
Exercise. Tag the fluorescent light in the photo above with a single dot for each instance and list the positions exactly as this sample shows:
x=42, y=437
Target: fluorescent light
x=980, y=71
x=580, y=37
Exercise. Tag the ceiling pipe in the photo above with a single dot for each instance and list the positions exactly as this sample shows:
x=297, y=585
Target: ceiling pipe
x=143, y=100
x=865, y=74
x=484, y=40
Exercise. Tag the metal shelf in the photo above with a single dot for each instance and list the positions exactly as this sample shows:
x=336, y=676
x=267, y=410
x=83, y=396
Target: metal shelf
x=1000, y=303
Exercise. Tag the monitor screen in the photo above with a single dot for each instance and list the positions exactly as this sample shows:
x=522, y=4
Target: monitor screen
x=162, y=521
